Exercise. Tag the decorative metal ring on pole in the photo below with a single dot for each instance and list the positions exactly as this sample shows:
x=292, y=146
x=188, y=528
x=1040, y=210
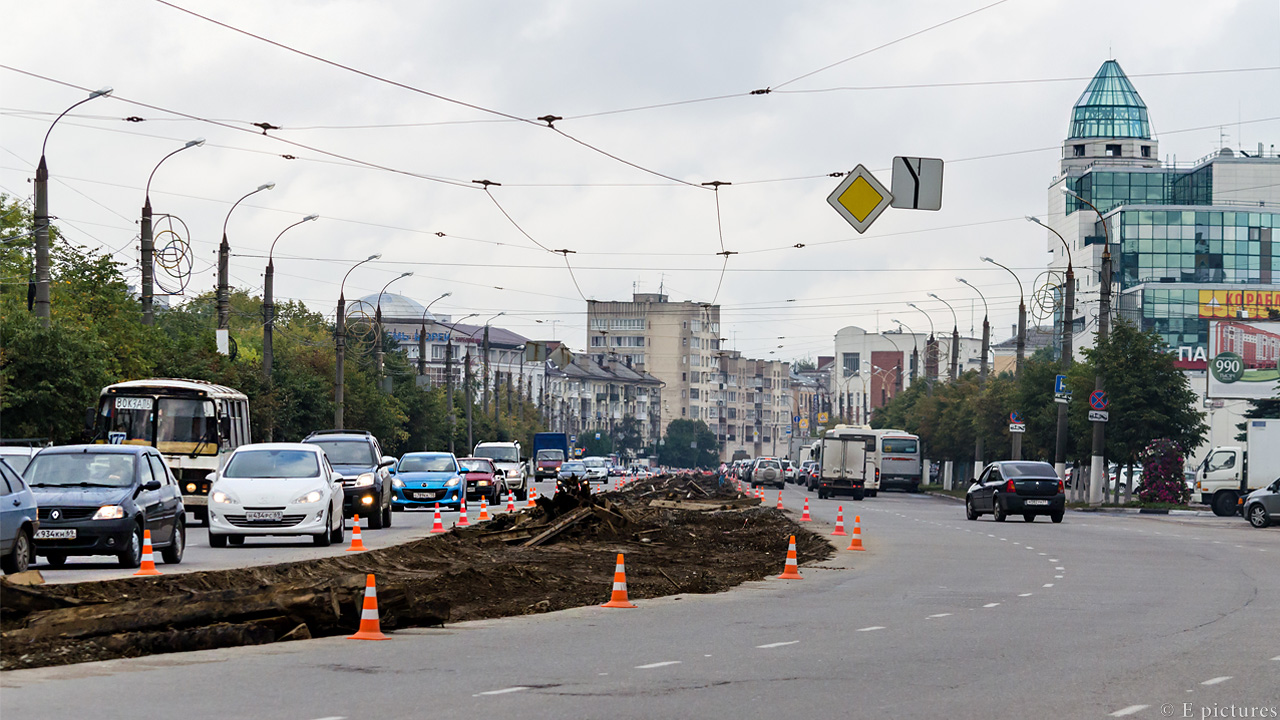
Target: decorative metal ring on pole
x=172, y=254
x=1047, y=295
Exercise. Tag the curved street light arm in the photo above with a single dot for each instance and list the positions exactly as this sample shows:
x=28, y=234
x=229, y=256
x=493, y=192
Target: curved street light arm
x=198, y=142
x=271, y=252
x=342, y=287
x=104, y=92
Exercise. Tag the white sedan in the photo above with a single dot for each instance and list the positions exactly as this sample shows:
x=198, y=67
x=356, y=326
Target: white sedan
x=276, y=489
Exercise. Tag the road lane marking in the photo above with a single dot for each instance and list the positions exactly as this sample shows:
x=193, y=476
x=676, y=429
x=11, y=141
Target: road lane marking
x=1276, y=658
x=657, y=665
x=774, y=645
x=939, y=615
x=1054, y=560
x=334, y=717
x=1025, y=595
x=503, y=691
x=988, y=605
x=1216, y=680
x=881, y=627
x=1030, y=548
x=1129, y=710
x=1059, y=568
x=1047, y=585
x=1041, y=553
x=1057, y=577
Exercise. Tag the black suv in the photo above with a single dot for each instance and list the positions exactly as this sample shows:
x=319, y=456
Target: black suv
x=97, y=500
x=366, y=475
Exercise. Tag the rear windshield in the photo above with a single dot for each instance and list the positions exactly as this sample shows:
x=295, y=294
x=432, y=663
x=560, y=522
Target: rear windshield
x=768, y=464
x=347, y=452
x=428, y=463
x=90, y=469
x=906, y=446
x=551, y=455
x=1027, y=469
x=272, y=464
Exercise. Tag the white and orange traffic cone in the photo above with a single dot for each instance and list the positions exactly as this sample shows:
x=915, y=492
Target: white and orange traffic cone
x=370, y=628
x=148, y=566
x=484, y=509
x=462, y=512
x=437, y=526
x=618, y=599
x=792, y=570
x=356, y=543
x=805, y=517
x=840, y=522
x=780, y=507
x=856, y=542
x=533, y=497
x=511, y=501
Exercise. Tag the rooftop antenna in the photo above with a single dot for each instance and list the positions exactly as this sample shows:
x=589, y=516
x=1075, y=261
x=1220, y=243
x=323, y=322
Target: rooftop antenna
x=662, y=282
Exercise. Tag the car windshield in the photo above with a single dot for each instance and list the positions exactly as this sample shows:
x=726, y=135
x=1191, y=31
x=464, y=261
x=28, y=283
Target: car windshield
x=593, y=462
x=550, y=454
x=573, y=466
x=501, y=453
x=428, y=463
x=272, y=464
x=1027, y=469
x=17, y=460
x=347, y=452
x=475, y=465
x=74, y=469
x=907, y=446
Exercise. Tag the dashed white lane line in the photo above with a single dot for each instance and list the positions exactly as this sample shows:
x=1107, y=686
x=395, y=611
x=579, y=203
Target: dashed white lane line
x=990, y=605
x=1276, y=658
x=1047, y=585
x=1057, y=577
x=777, y=644
x=1215, y=681
x=334, y=717
x=650, y=666
x=1059, y=568
x=503, y=691
x=1025, y=595
x=1054, y=560
x=939, y=615
x=1030, y=548
x=1042, y=553
x=1129, y=710
x=881, y=627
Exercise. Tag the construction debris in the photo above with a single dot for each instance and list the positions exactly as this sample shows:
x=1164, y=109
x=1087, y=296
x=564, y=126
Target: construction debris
x=681, y=534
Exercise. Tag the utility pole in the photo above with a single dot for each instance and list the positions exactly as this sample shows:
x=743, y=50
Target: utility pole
x=268, y=303
x=471, y=438
x=448, y=388
x=224, y=260
x=486, y=367
x=978, y=450
x=340, y=345
x=1068, y=330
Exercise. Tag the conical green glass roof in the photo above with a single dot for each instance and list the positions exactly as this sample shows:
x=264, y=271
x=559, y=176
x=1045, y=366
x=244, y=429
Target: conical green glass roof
x=1110, y=108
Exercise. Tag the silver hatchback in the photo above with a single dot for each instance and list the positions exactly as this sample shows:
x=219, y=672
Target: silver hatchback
x=1262, y=507
x=18, y=521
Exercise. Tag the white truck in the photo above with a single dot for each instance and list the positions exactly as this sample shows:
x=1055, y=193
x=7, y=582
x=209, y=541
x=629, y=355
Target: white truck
x=507, y=460
x=1230, y=472
x=846, y=465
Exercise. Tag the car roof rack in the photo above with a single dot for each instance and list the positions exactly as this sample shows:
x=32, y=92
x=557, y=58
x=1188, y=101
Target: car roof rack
x=340, y=432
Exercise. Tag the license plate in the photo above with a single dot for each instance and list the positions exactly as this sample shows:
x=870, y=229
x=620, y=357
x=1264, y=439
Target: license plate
x=424, y=496
x=56, y=534
x=264, y=515
x=1037, y=502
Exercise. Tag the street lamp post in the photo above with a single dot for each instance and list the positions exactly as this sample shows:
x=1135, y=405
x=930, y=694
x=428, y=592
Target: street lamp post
x=915, y=347
x=485, y=384
x=224, y=259
x=422, y=335
x=448, y=379
x=340, y=345
x=41, y=218
x=955, y=338
x=1097, y=466
x=978, y=450
x=268, y=303
x=1068, y=330
x=930, y=353
x=377, y=322
x=1022, y=316
x=147, y=242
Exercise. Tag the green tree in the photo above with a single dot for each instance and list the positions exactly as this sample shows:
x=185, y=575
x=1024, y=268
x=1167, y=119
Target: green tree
x=591, y=445
x=689, y=444
x=627, y=435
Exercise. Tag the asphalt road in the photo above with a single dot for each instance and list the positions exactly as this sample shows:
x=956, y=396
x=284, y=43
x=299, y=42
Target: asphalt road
x=1102, y=615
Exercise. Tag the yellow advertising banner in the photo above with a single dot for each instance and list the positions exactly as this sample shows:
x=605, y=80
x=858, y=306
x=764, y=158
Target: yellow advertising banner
x=1239, y=303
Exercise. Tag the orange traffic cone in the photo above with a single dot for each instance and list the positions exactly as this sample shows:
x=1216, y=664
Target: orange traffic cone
x=856, y=542
x=148, y=560
x=370, y=629
x=805, y=517
x=511, y=501
x=840, y=522
x=619, y=597
x=484, y=509
x=780, y=500
x=533, y=496
x=792, y=570
x=356, y=543
x=437, y=526
x=462, y=513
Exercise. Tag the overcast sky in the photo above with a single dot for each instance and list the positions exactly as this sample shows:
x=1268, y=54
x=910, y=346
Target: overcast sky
x=629, y=227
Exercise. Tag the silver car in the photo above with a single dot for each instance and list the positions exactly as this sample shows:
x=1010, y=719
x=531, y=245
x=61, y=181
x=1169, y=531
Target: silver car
x=1262, y=507
x=768, y=471
x=18, y=521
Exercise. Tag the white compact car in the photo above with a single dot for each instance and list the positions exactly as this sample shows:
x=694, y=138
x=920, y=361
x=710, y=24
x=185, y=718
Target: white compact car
x=276, y=489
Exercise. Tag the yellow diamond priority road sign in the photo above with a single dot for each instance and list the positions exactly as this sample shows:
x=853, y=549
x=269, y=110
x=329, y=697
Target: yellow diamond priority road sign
x=860, y=198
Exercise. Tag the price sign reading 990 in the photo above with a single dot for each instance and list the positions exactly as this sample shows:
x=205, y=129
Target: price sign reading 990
x=1227, y=367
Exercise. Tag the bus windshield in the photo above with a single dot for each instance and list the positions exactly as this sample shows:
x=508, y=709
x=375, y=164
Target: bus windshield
x=186, y=426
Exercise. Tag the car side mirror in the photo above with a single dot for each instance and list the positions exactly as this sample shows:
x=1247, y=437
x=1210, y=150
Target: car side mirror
x=151, y=486
x=337, y=477
x=973, y=481
x=211, y=476
x=387, y=461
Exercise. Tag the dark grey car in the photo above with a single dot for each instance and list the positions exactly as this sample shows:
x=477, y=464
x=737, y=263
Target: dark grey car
x=1016, y=487
x=1262, y=507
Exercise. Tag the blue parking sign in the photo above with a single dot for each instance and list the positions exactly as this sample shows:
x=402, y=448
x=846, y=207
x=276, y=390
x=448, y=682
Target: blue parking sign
x=1060, y=384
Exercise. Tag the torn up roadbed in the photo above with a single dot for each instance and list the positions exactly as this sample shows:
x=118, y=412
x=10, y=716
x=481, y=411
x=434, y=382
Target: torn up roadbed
x=680, y=534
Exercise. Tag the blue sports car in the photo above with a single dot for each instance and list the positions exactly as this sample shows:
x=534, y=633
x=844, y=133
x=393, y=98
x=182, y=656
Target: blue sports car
x=427, y=479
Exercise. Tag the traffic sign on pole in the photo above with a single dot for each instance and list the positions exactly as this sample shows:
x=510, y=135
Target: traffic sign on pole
x=1060, y=385
x=1098, y=415
x=917, y=183
x=1015, y=417
x=1017, y=427
x=1098, y=400
x=860, y=198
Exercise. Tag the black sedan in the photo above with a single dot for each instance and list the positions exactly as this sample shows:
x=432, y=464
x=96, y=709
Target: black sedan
x=1016, y=487
x=98, y=500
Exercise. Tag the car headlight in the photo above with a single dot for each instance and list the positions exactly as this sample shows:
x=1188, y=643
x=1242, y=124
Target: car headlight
x=453, y=482
x=313, y=496
x=397, y=483
x=365, y=480
x=483, y=482
x=109, y=512
x=191, y=487
x=220, y=497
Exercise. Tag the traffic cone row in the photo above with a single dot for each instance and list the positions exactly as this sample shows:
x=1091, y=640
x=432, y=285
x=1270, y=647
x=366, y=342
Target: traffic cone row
x=437, y=526
x=856, y=542
x=370, y=628
x=840, y=522
x=618, y=599
x=356, y=543
x=805, y=517
x=462, y=512
x=792, y=569
x=148, y=566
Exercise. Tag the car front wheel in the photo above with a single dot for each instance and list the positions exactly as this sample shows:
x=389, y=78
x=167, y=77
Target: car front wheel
x=969, y=512
x=19, y=557
x=131, y=556
x=375, y=520
x=323, y=538
x=1258, y=516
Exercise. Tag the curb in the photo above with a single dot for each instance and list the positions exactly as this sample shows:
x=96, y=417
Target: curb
x=1145, y=511
x=943, y=495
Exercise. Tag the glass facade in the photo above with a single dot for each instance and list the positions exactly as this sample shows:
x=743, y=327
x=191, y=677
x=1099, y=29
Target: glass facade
x=1110, y=108
x=1109, y=189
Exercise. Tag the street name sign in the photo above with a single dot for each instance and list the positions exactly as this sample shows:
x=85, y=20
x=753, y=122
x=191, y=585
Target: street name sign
x=1098, y=415
x=917, y=183
x=860, y=198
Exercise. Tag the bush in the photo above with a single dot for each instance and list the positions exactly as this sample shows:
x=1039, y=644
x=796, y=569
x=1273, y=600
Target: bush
x=1163, y=479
